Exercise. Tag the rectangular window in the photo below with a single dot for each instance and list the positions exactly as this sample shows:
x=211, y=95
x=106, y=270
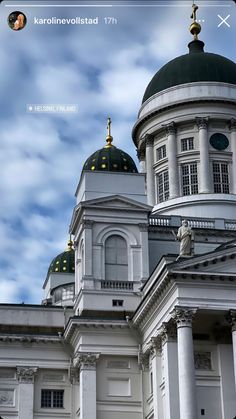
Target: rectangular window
x=161, y=152
x=189, y=179
x=187, y=144
x=220, y=177
x=117, y=303
x=52, y=398
x=163, y=186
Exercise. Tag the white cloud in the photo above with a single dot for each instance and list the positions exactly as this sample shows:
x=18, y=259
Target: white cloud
x=106, y=72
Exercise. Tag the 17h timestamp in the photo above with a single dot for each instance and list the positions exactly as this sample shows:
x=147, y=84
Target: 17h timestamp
x=110, y=20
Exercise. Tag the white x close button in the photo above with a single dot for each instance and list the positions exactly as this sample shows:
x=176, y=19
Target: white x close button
x=223, y=20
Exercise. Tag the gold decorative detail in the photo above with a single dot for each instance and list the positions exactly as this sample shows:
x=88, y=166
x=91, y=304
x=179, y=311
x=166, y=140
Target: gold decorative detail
x=109, y=137
x=93, y=168
x=195, y=27
x=69, y=246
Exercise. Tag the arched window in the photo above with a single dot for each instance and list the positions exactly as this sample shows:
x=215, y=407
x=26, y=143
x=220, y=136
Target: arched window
x=116, y=259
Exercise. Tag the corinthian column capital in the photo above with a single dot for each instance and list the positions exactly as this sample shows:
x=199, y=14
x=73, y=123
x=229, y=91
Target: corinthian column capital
x=168, y=332
x=26, y=374
x=183, y=316
x=86, y=360
x=170, y=129
x=149, y=140
x=202, y=123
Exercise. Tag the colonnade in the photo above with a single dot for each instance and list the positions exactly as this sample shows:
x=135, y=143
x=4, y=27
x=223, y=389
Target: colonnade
x=174, y=344
x=204, y=175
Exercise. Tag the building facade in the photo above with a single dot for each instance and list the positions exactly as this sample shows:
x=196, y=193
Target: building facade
x=130, y=327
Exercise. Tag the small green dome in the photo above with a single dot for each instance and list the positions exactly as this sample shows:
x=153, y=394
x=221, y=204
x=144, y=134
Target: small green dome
x=197, y=66
x=110, y=159
x=64, y=262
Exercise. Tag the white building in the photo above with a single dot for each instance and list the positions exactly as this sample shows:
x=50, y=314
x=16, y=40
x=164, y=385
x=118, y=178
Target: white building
x=127, y=328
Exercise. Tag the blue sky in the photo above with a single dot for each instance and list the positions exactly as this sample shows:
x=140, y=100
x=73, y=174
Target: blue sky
x=103, y=69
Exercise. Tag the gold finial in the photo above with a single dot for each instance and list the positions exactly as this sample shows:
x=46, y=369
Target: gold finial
x=109, y=137
x=195, y=27
x=69, y=244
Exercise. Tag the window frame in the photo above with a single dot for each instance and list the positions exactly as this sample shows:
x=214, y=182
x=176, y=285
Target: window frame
x=190, y=184
x=114, y=266
x=161, y=152
x=222, y=186
x=165, y=193
x=187, y=144
x=52, y=400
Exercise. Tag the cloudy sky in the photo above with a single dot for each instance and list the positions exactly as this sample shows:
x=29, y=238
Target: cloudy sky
x=103, y=69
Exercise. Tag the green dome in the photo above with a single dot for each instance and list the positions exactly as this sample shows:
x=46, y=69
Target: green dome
x=64, y=262
x=197, y=66
x=110, y=159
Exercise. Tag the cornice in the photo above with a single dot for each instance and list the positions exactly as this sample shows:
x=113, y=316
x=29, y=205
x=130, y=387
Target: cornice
x=77, y=324
x=155, y=112
x=29, y=339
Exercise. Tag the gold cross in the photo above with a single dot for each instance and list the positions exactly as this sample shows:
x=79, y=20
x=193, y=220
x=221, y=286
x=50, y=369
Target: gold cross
x=194, y=14
x=109, y=127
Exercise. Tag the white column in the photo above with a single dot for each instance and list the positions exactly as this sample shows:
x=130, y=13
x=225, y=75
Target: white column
x=149, y=169
x=25, y=377
x=187, y=388
x=205, y=172
x=233, y=149
x=172, y=161
x=169, y=350
x=88, y=391
x=233, y=324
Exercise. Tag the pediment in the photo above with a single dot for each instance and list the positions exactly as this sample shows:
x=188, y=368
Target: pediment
x=118, y=202
x=217, y=262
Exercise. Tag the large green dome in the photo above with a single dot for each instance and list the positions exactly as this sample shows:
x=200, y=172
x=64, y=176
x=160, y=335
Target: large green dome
x=64, y=262
x=197, y=66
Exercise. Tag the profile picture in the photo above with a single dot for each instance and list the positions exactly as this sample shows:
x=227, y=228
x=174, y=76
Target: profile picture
x=17, y=20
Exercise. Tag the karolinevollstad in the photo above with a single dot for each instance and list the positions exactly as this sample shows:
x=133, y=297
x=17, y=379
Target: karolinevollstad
x=66, y=21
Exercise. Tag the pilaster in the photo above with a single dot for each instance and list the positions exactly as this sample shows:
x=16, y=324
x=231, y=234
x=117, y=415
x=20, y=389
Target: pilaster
x=25, y=376
x=88, y=250
x=168, y=335
x=232, y=320
x=86, y=362
x=156, y=352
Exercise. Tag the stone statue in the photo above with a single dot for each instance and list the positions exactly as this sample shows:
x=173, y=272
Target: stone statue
x=186, y=237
